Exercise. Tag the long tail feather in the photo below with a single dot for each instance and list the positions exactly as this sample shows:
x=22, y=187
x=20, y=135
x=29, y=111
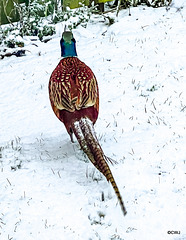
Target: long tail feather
x=85, y=134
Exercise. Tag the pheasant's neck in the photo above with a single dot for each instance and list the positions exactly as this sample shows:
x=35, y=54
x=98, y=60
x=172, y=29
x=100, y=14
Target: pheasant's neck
x=68, y=50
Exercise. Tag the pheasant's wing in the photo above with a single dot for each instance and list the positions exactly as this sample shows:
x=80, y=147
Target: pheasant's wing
x=88, y=89
x=60, y=96
x=73, y=90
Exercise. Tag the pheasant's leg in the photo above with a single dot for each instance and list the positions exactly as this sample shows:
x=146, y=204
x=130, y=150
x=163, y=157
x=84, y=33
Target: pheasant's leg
x=71, y=136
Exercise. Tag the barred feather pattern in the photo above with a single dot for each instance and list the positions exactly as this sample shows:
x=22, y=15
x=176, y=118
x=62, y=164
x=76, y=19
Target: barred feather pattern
x=74, y=96
x=85, y=134
x=72, y=85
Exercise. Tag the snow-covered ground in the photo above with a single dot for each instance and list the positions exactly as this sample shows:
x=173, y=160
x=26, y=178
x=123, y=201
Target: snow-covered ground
x=48, y=188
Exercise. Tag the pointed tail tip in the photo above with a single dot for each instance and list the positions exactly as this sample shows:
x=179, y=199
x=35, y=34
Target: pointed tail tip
x=125, y=212
x=122, y=205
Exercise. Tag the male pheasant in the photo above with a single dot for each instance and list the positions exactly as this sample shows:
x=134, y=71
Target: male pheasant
x=74, y=97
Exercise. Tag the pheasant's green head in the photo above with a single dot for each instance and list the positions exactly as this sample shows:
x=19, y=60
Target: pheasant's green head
x=68, y=45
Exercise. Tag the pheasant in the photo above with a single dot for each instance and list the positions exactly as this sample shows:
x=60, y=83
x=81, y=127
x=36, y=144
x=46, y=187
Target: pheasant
x=74, y=97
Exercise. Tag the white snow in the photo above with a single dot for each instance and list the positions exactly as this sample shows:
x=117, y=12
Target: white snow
x=48, y=188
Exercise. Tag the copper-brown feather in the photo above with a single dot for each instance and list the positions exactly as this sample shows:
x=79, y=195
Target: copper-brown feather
x=73, y=85
x=74, y=97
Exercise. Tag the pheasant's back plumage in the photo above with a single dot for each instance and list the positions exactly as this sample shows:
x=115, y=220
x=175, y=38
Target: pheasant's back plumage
x=73, y=85
x=74, y=97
